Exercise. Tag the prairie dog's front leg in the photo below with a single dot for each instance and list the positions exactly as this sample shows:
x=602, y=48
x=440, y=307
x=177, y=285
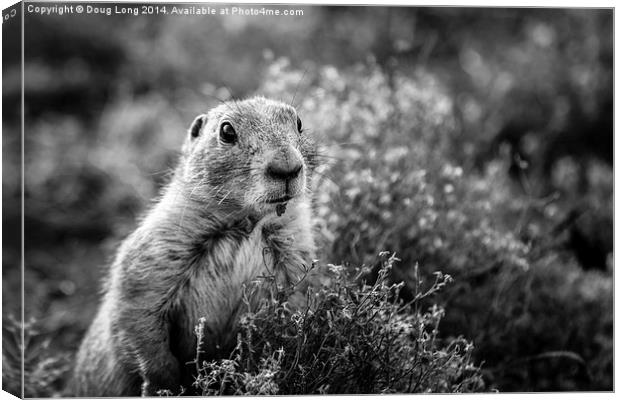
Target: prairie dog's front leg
x=143, y=293
x=145, y=333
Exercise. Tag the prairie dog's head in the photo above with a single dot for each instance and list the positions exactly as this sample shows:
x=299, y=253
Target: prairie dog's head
x=250, y=154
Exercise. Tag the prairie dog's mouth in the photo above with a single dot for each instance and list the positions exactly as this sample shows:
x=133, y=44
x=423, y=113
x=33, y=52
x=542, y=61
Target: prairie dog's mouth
x=279, y=200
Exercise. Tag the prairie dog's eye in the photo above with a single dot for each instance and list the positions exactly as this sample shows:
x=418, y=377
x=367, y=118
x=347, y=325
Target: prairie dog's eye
x=299, y=126
x=227, y=133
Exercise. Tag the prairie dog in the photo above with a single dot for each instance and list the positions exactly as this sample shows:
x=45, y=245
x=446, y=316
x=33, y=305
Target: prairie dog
x=242, y=187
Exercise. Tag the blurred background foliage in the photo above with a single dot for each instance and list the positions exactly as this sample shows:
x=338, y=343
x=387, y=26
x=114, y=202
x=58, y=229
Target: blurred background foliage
x=473, y=141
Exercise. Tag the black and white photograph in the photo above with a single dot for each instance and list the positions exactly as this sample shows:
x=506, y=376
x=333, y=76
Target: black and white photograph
x=226, y=199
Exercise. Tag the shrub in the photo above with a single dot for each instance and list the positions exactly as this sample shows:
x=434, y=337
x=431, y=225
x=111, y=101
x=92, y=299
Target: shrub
x=342, y=337
x=43, y=368
x=391, y=183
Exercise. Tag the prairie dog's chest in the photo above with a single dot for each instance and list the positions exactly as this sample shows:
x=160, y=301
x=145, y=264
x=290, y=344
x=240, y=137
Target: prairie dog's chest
x=215, y=283
x=214, y=290
x=217, y=280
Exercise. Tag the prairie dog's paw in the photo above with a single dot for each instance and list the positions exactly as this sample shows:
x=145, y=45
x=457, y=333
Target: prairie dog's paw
x=271, y=228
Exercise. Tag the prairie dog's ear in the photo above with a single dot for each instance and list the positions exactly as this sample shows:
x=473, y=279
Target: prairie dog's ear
x=197, y=125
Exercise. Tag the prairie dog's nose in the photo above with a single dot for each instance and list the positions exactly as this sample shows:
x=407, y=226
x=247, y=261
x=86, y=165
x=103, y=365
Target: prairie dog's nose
x=286, y=164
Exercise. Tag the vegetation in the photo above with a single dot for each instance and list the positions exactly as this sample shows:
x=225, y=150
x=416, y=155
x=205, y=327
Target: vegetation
x=517, y=292
x=344, y=338
x=43, y=368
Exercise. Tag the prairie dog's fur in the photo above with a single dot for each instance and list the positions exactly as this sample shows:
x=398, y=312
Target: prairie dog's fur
x=197, y=246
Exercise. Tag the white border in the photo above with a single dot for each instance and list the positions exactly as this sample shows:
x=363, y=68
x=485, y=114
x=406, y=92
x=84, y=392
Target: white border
x=458, y=3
